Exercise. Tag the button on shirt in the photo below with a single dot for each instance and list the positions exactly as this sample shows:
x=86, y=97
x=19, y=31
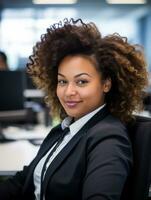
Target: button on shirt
x=74, y=128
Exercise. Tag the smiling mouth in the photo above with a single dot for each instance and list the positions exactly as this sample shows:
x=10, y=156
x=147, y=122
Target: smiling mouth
x=72, y=104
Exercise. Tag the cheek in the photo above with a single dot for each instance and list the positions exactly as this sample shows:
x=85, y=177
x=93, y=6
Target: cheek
x=93, y=93
x=58, y=92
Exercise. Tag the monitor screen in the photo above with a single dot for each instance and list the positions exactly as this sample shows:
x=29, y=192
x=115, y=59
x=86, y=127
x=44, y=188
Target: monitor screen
x=11, y=90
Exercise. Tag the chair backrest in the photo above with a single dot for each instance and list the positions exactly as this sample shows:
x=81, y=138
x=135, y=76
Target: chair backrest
x=137, y=186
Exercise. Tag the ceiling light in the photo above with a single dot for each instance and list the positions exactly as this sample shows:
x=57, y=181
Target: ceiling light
x=54, y=1
x=126, y=1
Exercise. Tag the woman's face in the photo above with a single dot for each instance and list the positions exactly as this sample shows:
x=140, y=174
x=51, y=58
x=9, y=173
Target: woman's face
x=80, y=89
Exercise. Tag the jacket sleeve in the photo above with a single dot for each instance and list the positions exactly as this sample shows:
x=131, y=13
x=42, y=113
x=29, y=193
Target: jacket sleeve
x=108, y=165
x=12, y=187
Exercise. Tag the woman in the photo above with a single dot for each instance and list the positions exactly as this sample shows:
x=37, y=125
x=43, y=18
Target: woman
x=94, y=84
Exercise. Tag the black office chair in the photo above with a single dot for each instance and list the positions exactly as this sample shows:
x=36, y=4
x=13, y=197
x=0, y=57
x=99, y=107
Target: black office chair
x=137, y=185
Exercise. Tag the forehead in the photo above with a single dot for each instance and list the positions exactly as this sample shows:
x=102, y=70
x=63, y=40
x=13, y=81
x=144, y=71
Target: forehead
x=74, y=62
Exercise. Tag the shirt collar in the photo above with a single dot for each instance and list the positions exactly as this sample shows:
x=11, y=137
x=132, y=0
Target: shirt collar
x=77, y=125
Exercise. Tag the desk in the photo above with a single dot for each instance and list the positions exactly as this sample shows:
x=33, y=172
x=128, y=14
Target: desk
x=14, y=155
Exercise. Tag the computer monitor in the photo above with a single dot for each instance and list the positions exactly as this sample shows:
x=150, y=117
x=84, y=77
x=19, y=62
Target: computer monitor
x=12, y=84
x=13, y=110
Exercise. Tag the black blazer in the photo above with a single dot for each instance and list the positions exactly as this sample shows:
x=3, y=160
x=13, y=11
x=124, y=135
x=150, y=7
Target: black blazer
x=94, y=165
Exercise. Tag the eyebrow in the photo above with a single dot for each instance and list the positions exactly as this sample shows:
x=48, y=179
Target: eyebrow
x=76, y=75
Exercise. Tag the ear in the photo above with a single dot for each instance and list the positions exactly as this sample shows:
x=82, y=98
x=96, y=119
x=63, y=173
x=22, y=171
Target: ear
x=107, y=85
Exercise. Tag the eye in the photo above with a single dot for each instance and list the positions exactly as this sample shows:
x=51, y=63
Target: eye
x=82, y=82
x=61, y=82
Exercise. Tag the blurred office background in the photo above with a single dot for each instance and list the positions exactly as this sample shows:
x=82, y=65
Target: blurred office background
x=23, y=21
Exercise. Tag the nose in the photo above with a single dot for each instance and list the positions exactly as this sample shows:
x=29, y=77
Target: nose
x=70, y=90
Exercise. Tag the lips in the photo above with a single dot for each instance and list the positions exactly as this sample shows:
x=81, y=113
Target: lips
x=72, y=104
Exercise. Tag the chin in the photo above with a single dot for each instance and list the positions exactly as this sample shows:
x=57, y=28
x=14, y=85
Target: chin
x=73, y=115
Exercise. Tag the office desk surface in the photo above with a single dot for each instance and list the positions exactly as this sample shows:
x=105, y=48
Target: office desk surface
x=14, y=155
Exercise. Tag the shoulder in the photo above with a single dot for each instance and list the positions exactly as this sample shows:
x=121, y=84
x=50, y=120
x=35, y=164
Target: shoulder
x=109, y=126
x=109, y=129
x=53, y=133
x=109, y=140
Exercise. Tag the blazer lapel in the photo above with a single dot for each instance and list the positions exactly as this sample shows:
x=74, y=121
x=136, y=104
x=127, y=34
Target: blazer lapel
x=48, y=142
x=73, y=142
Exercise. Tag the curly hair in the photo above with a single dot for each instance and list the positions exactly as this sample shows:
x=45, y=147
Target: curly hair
x=116, y=59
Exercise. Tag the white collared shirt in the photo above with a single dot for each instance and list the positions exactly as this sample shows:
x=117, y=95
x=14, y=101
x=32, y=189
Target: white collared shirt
x=74, y=128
